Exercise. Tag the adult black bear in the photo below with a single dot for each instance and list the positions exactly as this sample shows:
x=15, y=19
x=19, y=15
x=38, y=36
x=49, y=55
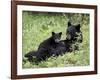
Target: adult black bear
x=74, y=33
x=49, y=47
x=74, y=36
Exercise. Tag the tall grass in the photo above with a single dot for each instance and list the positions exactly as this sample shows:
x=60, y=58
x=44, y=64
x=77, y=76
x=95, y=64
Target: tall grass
x=37, y=27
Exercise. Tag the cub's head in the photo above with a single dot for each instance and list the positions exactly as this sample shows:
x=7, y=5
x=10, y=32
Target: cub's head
x=56, y=37
x=74, y=33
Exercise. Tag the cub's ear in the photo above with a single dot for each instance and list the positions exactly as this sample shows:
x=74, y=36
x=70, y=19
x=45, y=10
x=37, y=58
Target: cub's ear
x=60, y=33
x=69, y=24
x=78, y=27
x=53, y=33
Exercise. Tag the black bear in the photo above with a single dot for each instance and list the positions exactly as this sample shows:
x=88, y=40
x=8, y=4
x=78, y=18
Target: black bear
x=74, y=36
x=74, y=33
x=49, y=47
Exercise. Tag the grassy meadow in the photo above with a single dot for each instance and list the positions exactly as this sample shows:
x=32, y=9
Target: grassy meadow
x=37, y=27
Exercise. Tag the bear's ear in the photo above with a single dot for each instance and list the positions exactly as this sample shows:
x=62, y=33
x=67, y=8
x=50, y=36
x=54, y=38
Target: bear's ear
x=69, y=24
x=78, y=27
x=53, y=33
x=60, y=33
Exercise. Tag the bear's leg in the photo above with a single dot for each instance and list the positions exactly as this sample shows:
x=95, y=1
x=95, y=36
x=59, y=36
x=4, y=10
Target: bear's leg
x=42, y=54
x=58, y=51
x=30, y=55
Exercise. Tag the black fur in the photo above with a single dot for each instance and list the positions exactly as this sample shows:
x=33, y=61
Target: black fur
x=53, y=46
x=74, y=33
x=73, y=36
x=49, y=47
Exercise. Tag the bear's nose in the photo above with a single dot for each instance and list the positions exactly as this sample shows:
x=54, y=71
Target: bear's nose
x=68, y=36
x=57, y=40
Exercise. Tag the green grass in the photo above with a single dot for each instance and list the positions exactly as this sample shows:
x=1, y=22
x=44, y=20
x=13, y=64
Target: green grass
x=37, y=27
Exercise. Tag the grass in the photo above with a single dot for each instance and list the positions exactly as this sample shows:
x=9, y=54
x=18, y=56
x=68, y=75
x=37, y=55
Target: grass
x=37, y=27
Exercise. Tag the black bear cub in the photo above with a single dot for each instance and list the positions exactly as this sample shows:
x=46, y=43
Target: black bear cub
x=49, y=47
